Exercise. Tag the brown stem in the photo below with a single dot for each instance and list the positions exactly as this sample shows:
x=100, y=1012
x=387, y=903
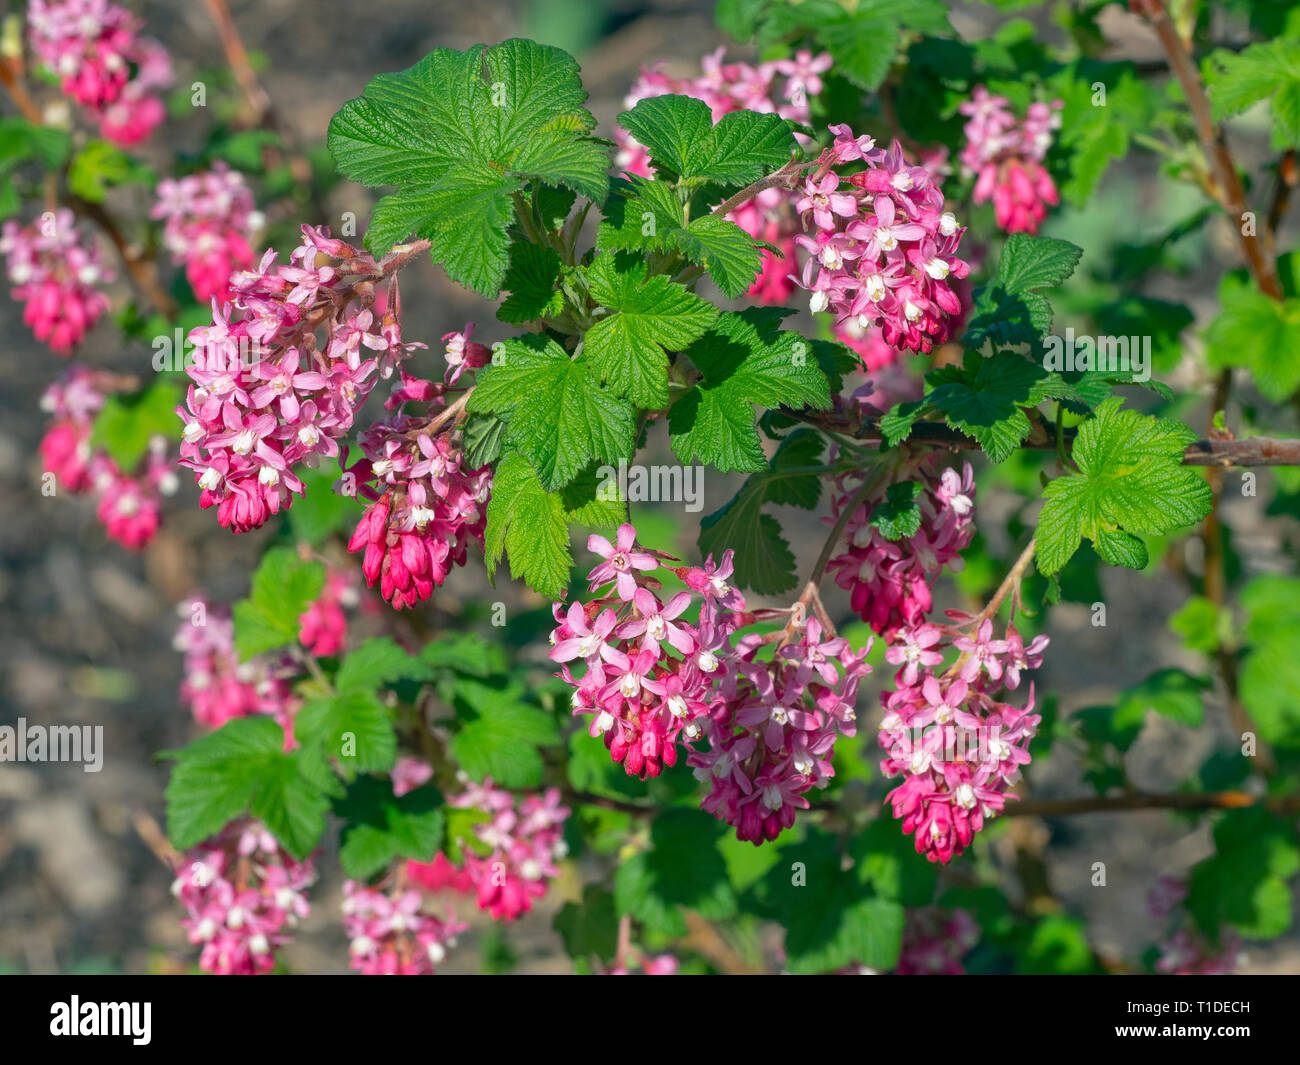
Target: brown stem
x=1231, y=192
x=256, y=101
x=142, y=269
x=1214, y=800
x=10, y=79
x=784, y=177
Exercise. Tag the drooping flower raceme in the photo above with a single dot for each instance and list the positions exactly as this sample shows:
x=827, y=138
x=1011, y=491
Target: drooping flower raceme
x=657, y=673
x=882, y=247
x=889, y=581
x=94, y=48
x=390, y=936
x=649, y=669
x=129, y=504
x=522, y=838
x=1005, y=154
x=209, y=218
x=428, y=505
x=772, y=732
x=269, y=392
x=55, y=274
x=243, y=894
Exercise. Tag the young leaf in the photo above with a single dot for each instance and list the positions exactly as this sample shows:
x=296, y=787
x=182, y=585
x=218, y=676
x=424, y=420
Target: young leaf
x=353, y=728
x=628, y=345
x=284, y=586
x=458, y=134
x=684, y=143
x=744, y=360
x=1130, y=479
x=126, y=424
x=558, y=413
x=240, y=767
x=1009, y=309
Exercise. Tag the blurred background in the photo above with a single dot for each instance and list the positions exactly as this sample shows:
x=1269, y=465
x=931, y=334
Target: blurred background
x=86, y=627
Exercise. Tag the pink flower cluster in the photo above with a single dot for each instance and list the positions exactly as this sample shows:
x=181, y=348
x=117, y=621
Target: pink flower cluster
x=209, y=217
x=958, y=748
x=243, y=894
x=882, y=247
x=934, y=942
x=429, y=506
x=727, y=87
x=650, y=671
x=249, y=421
x=1004, y=154
x=129, y=504
x=645, y=965
x=323, y=625
x=523, y=838
x=889, y=581
x=772, y=730
x=217, y=686
x=390, y=936
x=94, y=48
x=55, y=274
x=1183, y=950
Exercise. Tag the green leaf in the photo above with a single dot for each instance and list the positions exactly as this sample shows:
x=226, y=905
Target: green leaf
x=1243, y=884
x=763, y=559
x=832, y=919
x=354, y=728
x=1171, y=693
x=1259, y=333
x=684, y=143
x=500, y=736
x=899, y=516
x=648, y=318
x=483, y=435
x=239, y=768
x=986, y=404
x=377, y=661
x=558, y=413
x=641, y=214
x=126, y=423
x=1009, y=309
x=533, y=281
x=380, y=827
x=99, y=166
x=1130, y=479
x=284, y=586
x=458, y=134
x=744, y=360
x=589, y=927
x=529, y=524
x=682, y=870
x=725, y=250
x=464, y=652
x=1241, y=79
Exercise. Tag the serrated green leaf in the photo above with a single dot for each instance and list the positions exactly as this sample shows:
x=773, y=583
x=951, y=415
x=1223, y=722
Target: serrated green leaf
x=458, y=134
x=354, y=728
x=380, y=660
x=682, y=870
x=533, y=281
x=500, y=736
x=629, y=347
x=986, y=404
x=1131, y=479
x=725, y=250
x=744, y=360
x=243, y=766
x=284, y=586
x=558, y=413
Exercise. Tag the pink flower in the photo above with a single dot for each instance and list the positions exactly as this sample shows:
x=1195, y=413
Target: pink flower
x=621, y=561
